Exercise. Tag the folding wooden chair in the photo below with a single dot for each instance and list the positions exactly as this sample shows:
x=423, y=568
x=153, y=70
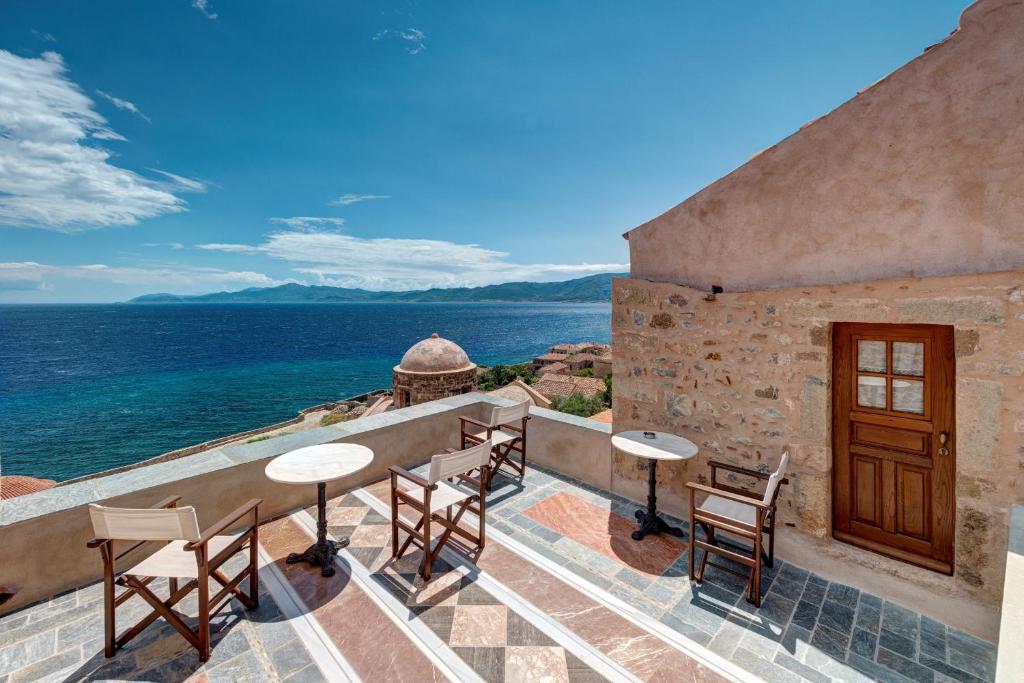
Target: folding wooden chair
x=506, y=430
x=189, y=554
x=427, y=497
x=740, y=513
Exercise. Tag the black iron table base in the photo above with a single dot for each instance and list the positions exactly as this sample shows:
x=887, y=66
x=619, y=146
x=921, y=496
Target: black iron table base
x=649, y=521
x=320, y=554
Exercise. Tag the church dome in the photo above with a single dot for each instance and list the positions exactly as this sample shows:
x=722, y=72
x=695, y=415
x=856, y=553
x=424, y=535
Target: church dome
x=435, y=355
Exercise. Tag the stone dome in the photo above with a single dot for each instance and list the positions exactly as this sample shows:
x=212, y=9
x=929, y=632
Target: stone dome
x=435, y=354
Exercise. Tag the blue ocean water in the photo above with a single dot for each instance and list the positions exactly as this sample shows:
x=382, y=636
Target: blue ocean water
x=84, y=388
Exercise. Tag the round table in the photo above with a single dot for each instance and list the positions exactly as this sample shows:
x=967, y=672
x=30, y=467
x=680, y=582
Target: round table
x=319, y=465
x=653, y=446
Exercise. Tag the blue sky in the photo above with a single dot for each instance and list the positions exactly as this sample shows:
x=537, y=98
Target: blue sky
x=191, y=146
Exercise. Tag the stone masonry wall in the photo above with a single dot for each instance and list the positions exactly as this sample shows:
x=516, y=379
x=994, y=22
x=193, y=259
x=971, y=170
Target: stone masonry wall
x=424, y=386
x=749, y=374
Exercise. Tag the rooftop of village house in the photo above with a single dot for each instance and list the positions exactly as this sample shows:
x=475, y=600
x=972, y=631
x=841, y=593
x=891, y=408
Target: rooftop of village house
x=562, y=591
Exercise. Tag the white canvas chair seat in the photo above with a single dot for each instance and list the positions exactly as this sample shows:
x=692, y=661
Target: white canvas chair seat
x=731, y=509
x=497, y=437
x=444, y=495
x=173, y=561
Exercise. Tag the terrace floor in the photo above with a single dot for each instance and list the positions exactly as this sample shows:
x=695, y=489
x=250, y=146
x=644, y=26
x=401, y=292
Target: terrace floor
x=561, y=593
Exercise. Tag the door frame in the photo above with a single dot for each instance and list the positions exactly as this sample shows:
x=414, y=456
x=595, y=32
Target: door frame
x=941, y=411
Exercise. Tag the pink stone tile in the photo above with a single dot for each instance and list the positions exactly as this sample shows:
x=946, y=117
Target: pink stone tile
x=545, y=664
x=371, y=536
x=346, y=516
x=606, y=533
x=479, y=626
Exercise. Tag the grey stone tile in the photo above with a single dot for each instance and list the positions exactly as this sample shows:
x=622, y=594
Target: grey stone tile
x=805, y=672
x=311, y=674
x=900, y=620
x=762, y=639
x=78, y=632
x=806, y=615
x=633, y=579
x=487, y=662
x=727, y=639
x=962, y=644
x=814, y=591
x=593, y=577
x=836, y=616
x=43, y=668
x=933, y=646
x=290, y=658
x=874, y=671
x=688, y=629
x=763, y=668
x=863, y=643
x=24, y=652
x=522, y=521
x=662, y=591
x=868, y=617
x=897, y=643
x=773, y=607
x=830, y=642
x=844, y=595
x=950, y=671
x=243, y=668
x=438, y=619
x=520, y=632
x=787, y=588
x=795, y=642
x=871, y=600
x=904, y=666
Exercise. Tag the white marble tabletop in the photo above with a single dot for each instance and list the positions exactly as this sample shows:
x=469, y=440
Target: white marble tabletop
x=315, y=464
x=662, y=447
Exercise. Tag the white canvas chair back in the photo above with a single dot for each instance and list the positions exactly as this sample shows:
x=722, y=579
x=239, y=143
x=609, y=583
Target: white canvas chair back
x=446, y=465
x=127, y=524
x=775, y=478
x=503, y=415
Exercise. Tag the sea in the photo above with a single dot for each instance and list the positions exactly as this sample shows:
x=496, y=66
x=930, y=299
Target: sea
x=84, y=388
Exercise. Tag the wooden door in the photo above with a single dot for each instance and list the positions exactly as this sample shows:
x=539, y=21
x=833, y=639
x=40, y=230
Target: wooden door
x=893, y=483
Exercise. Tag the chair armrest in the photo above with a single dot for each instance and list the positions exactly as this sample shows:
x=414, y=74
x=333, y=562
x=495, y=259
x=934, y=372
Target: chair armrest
x=728, y=495
x=406, y=474
x=478, y=423
x=168, y=502
x=717, y=464
x=224, y=523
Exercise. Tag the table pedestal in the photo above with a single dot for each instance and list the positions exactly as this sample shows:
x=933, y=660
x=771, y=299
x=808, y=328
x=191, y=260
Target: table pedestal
x=320, y=554
x=649, y=521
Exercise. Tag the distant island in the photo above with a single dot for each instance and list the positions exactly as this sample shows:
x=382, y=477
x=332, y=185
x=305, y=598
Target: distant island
x=593, y=288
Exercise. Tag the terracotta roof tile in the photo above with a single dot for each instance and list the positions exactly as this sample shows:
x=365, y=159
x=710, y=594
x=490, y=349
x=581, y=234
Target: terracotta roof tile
x=12, y=486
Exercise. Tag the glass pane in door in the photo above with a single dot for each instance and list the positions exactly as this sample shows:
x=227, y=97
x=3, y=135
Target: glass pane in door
x=871, y=356
x=908, y=396
x=871, y=391
x=908, y=358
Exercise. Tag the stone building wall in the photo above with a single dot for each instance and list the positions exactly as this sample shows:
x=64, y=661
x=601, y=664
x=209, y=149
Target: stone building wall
x=749, y=374
x=430, y=386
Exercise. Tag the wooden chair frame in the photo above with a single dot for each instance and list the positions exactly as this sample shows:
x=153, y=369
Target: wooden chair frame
x=208, y=567
x=764, y=523
x=501, y=454
x=419, y=535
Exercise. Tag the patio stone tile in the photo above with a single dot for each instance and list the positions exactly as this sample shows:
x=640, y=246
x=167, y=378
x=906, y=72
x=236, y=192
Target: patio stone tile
x=796, y=642
x=806, y=615
x=311, y=674
x=727, y=639
x=763, y=640
x=897, y=643
x=874, y=671
x=868, y=616
x=633, y=579
x=842, y=594
x=290, y=659
x=46, y=667
x=522, y=521
x=24, y=652
x=950, y=671
x=763, y=668
x=902, y=665
x=965, y=645
x=836, y=616
x=776, y=608
x=244, y=667
x=702, y=613
x=829, y=642
x=687, y=629
x=807, y=673
x=814, y=590
x=593, y=577
x=900, y=620
x=863, y=643
x=787, y=588
x=789, y=572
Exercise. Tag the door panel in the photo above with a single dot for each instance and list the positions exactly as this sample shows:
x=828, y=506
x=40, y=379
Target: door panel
x=893, y=441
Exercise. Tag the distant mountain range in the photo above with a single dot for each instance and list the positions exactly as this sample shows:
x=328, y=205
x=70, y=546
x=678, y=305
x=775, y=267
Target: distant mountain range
x=592, y=288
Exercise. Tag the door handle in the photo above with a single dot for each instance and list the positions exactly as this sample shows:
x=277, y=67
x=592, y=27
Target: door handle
x=943, y=438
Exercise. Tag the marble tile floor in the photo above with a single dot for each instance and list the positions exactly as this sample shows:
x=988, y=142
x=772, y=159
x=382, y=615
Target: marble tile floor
x=560, y=593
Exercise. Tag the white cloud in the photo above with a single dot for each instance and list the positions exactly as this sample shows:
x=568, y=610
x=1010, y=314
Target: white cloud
x=44, y=36
x=51, y=174
x=29, y=275
x=309, y=223
x=179, y=183
x=167, y=245
x=413, y=37
x=346, y=199
x=402, y=264
x=204, y=7
x=123, y=104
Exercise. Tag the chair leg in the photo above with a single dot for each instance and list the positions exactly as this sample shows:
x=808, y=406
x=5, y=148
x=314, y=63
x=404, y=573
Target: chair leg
x=394, y=523
x=109, y=609
x=428, y=558
x=771, y=541
x=204, y=613
x=254, y=562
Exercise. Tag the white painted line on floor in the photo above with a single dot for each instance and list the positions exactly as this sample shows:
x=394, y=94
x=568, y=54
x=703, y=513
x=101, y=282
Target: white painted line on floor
x=418, y=632
x=325, y=653
x=591, y=656
x=701, y=654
